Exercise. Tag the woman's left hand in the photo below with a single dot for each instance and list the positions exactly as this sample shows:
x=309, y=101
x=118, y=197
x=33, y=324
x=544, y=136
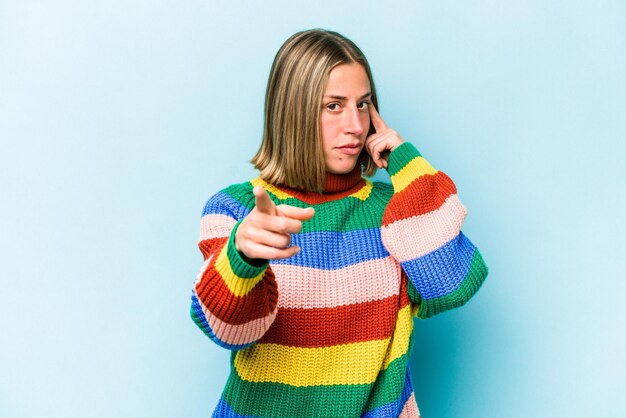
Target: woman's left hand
x=383, y=141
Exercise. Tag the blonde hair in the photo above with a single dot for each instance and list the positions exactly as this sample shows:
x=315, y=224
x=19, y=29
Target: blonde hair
x=291, y=153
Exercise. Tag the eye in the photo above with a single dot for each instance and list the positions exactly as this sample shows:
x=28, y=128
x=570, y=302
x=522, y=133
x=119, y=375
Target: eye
x=363, y=105
x=332, y=106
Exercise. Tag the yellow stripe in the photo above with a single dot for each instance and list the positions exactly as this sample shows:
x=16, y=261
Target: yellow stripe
x=364, y=192
x=270, y=188
x=239, y=286
x=416, y=168
x=347, y=364
x=401, y=336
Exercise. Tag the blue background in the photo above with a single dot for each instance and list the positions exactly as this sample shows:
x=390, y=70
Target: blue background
x=118, y=120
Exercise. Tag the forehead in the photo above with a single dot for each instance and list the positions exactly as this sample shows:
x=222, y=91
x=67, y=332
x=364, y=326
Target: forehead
x=348, y=80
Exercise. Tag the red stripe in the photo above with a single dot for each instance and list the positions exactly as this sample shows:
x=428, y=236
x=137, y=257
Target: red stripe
x=423, y=195
x=212, y=245
x=313, y=198
x=217, y=297
x=324, y=327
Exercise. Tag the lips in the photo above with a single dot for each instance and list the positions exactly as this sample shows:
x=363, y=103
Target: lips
x=350, y=149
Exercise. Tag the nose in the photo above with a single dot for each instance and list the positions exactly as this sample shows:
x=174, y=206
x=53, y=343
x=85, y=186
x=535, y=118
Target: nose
x=353, y=123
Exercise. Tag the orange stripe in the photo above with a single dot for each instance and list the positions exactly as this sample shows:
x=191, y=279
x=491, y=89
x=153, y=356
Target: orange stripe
x=218, y=299
x=316, y=198
x=212, y=245
x=423, y=195
x=322, y=327
x=332, y=326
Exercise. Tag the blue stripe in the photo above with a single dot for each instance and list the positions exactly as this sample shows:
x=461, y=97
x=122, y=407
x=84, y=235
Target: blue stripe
x=335, y=250
x=394, y=408
x=223, y=204
x=442, y=271
x=223, y=410
x=206, y=328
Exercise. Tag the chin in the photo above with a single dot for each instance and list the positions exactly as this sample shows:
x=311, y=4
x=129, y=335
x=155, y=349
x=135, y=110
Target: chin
x=343, y=165
x=344, y=169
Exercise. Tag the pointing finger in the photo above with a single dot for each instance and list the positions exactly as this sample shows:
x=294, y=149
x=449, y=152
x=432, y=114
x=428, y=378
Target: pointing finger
x=270, y=253
x=302, y=214
x=263, y=202
x=377, y=121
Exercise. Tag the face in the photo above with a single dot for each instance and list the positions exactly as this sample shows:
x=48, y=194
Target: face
x=345, y=118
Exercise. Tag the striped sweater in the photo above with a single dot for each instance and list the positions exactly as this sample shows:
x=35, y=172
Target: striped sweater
x=328, y=332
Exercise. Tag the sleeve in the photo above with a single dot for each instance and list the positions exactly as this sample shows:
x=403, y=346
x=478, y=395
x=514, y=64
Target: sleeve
x=421, y=229
x=233, y=302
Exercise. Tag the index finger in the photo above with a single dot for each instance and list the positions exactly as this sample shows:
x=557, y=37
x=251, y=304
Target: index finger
x=263, y=202
x=377, y=121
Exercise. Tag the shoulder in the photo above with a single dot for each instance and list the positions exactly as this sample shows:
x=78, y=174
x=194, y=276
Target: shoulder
x=382, y=187
x=381, y=191
x=235, y=200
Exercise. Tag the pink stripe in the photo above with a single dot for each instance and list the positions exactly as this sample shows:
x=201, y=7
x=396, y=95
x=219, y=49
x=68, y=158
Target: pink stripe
x=410, y=409
x=238, y=334
x=235, y=334
x=307, y=287
x=216, y=226
x=428, y=232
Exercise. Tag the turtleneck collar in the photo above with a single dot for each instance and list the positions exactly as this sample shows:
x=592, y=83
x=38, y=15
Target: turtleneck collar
x=337, y=187
x=336, y=183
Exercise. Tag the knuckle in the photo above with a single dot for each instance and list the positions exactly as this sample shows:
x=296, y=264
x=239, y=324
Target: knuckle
x=273, y=255
x=259, y=220
x=242, y=232
x=252, y=235
x=283, y=225
x=286, y=240
x=245, y=248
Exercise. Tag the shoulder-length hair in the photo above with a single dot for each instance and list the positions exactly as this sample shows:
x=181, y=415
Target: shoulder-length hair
x=291, y=153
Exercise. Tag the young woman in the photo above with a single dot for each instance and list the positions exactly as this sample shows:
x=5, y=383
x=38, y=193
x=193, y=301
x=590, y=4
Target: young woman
x=312, y=274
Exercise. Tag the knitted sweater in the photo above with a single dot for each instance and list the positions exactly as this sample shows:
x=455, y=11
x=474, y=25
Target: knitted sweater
x=328, y=332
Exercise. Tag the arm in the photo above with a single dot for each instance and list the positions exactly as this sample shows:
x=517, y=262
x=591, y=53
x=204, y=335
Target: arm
x=233, y=302
x=421, y=229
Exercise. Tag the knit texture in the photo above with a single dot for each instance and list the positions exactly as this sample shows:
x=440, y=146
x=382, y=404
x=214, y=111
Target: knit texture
x=328, y=332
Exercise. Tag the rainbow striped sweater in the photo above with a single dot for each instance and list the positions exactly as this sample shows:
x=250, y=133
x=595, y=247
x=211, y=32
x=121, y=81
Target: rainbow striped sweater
x=328, y=332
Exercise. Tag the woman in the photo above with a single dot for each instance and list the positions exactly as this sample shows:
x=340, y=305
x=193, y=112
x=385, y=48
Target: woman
x=312, y=273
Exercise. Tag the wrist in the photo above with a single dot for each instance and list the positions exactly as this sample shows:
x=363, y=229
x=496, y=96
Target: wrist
x=256, y=262
x=396, y=145
x=248, y=266
x=400, y=156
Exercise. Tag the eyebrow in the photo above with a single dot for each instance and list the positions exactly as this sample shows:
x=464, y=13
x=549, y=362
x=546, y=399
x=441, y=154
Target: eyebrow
x=334, y=96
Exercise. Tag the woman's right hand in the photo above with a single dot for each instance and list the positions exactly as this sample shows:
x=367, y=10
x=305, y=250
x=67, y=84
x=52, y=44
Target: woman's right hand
x=265, y=232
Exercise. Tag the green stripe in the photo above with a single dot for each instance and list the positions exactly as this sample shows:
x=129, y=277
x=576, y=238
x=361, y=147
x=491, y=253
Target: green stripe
x=401, y=156
x=470, y=285
x=356, y=214
x=198, y=322
x=257, y=399
x=349, y=214
x=388, y=387
x=414, y=295
x=278, y=400
x=242, y=193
